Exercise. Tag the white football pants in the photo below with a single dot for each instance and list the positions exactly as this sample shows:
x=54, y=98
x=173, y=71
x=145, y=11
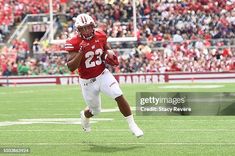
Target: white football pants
x=91, y=88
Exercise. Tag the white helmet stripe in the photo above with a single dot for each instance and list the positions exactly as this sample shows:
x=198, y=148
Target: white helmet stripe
x=82, y=19
x=85, y=19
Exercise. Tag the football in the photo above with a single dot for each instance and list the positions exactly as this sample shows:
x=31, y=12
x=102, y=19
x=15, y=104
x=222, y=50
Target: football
x=111, y=58
x=110, y=54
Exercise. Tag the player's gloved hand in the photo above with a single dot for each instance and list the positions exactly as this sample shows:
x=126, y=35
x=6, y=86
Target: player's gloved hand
x=111, y=58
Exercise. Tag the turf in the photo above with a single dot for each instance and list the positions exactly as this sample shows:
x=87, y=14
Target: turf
x=164, y=135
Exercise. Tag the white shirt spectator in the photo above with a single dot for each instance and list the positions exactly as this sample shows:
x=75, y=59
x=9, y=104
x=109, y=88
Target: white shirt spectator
x=178, y=38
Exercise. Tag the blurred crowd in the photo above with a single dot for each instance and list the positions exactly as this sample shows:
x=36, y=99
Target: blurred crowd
x=157, y=20
x=13, y=11
x=189, y=20
x=177, y=58
x=45, y=64
x=184, y=57
x=173, y=35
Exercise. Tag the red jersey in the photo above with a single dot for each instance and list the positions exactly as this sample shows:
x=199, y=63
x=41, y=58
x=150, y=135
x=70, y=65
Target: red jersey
x=91, y=64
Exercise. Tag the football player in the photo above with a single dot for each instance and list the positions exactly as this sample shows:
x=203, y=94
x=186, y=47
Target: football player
x=88, y=52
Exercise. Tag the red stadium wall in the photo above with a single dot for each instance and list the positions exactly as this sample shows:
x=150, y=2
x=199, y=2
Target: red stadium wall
x=212, y=77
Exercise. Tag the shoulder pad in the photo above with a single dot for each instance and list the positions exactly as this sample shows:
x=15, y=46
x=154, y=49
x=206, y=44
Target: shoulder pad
x=101, y=34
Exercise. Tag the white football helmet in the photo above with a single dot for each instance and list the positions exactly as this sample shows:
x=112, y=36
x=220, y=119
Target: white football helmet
x=85, y=25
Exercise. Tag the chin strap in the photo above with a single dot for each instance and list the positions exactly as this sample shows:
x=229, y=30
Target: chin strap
x=88, y=38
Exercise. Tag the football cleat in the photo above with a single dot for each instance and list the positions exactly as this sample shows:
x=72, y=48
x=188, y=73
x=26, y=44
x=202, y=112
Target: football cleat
x=136, y=130
x=85, y=122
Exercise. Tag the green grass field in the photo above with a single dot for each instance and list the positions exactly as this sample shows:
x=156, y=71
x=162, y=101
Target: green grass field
x=46, y=120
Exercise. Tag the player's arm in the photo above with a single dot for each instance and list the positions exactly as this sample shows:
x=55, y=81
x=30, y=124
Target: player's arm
x=107, y=47
x=75, y=55
x=74, y=60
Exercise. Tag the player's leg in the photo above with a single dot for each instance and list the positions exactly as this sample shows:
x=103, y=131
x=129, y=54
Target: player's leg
x=123, y=106
x=126, y=111
x=92, y=98
x=110, y=87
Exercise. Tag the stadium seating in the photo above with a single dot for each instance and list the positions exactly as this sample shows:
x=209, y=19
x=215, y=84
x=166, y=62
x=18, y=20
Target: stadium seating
x=158, y=21
x=14, y=11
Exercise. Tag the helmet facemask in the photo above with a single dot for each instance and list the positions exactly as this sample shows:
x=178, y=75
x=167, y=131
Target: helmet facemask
x=86, y=31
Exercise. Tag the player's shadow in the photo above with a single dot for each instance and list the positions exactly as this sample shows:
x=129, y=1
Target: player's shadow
x=109, y=148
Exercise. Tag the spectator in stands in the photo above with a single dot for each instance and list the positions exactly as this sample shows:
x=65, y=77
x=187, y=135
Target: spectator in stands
x=6, y=70
x=36, y=46
x=14, y=69
x=23, y=68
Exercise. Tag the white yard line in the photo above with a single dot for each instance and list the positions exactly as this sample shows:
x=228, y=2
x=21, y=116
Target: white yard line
x=119, y=130
x=138, y=118
x=190, y=86
x=62, y=119
x=67, y=121
x=118, y=143
x=40, y=114
x=181, y=120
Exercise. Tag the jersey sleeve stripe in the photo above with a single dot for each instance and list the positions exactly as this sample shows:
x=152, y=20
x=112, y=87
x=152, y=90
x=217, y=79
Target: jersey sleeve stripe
x=69, y=47
x=66, y=47
x=68, y=44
